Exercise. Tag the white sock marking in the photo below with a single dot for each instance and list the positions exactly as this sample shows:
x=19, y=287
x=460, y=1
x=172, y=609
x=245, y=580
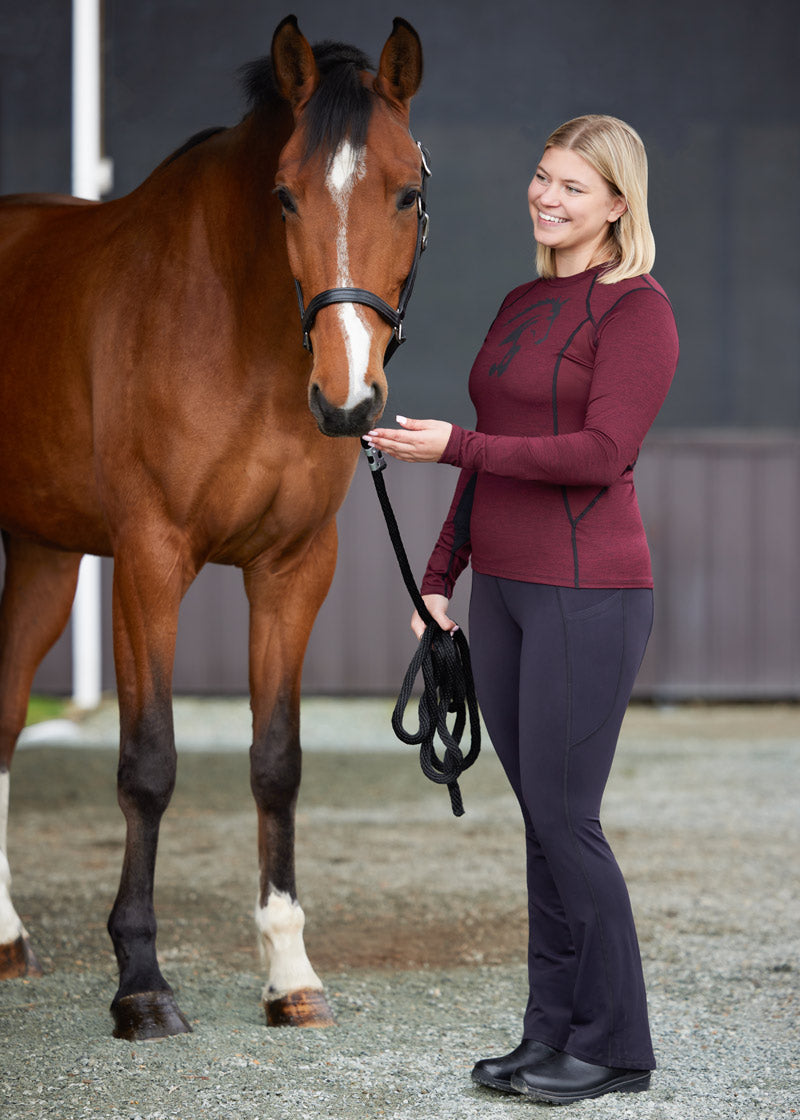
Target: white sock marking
x=346, y=169
x=10, y=925
x=280, y=928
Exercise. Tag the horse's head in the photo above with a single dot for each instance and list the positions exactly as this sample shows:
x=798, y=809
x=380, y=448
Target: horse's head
x=349, y=182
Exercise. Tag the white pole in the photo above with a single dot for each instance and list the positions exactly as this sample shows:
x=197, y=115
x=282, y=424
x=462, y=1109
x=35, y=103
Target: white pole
x=91, y=177
x=87, y=649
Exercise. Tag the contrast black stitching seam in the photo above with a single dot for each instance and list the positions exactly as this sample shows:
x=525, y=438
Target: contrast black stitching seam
x=561, y=354
x=461, y=523
x=574, y=525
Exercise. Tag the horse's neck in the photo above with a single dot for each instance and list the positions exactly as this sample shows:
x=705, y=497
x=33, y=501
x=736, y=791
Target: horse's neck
x=222, y=190
x=255, y=250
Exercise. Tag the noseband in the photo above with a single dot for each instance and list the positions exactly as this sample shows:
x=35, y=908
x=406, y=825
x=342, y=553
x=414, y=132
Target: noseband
x=369, y=299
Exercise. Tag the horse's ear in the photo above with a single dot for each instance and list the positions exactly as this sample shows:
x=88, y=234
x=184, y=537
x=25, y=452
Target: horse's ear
x=293, y=64
x=400, y=70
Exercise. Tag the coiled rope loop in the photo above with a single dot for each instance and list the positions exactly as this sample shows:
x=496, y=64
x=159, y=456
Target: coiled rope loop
x=443, y=659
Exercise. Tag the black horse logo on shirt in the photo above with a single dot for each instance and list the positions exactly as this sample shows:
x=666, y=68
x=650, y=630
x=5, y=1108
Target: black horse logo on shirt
x=538, y=319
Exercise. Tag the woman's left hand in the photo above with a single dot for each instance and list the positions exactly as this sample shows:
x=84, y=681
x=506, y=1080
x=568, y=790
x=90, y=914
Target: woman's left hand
x=416, y=441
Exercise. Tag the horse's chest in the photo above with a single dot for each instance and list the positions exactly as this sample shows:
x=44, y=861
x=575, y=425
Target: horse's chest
x=284, y=510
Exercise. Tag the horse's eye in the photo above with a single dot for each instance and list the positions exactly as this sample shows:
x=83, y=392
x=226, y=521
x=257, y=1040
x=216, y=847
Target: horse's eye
x=286, y=200
x=408, y=199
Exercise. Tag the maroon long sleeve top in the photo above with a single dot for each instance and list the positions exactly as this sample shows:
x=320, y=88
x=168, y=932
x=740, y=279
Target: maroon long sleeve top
x=566, y=385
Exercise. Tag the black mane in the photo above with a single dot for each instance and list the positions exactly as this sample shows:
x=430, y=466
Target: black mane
x=192, y=142
x=340, y=107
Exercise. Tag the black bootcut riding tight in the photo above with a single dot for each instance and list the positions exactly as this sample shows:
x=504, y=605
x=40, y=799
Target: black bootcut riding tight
x=554, y=669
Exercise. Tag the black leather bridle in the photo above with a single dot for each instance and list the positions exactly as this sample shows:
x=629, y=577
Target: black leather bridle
x=369, y=299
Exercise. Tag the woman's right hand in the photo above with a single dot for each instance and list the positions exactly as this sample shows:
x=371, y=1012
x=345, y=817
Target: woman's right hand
x=437, y=605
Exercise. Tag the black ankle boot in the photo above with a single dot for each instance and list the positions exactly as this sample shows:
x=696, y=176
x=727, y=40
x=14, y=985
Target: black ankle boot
x=563, y=1079
x=496, y=1072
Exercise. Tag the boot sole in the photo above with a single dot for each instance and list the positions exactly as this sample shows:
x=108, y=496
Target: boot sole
x=486, y=1082
x=620, y=1085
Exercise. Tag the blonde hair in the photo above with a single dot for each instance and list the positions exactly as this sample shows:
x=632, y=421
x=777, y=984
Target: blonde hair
x=616, y=152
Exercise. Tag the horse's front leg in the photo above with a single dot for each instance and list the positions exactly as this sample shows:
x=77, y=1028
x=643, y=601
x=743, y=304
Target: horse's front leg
x=282, y=612
x=149, y=582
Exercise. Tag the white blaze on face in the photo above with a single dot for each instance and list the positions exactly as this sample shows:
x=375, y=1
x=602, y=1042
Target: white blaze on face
x=346, y=169
x=280, y=928
x=10, y=925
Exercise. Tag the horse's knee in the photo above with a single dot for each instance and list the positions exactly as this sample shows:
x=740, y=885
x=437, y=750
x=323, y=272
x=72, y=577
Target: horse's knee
x=275, y=778
x=147, y=768
x=275, y=761
x=145, y=782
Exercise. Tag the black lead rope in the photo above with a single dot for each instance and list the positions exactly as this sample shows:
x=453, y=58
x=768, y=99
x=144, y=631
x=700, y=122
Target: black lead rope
x=443, y=659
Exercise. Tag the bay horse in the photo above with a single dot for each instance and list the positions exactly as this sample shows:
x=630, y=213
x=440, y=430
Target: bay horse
x=158, y=407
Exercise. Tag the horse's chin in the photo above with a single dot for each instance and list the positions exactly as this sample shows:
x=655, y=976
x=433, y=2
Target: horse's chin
x=356, y=421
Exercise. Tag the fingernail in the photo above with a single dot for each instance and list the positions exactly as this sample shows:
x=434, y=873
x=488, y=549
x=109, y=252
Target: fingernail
x=401, y=419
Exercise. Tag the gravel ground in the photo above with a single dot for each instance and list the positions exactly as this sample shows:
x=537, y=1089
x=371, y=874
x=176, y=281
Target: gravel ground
x=415, y=921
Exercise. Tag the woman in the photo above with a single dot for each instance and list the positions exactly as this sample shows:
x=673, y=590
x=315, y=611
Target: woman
x=569, y=379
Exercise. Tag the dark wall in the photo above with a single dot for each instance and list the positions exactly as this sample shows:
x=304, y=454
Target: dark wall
x=711, y=86
x=34, y=96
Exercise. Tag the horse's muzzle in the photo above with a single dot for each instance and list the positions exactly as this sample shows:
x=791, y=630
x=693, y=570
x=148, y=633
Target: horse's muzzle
x=333, y=421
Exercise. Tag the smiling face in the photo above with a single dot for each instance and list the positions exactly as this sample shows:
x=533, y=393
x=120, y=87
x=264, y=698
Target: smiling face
x=572, y=208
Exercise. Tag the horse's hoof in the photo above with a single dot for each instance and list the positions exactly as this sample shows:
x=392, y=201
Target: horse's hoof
x=18, y=959
x=148, y=1015
x=306, y=1007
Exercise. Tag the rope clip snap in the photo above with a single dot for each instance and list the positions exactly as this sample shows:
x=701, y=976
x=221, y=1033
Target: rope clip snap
x=374, y=456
